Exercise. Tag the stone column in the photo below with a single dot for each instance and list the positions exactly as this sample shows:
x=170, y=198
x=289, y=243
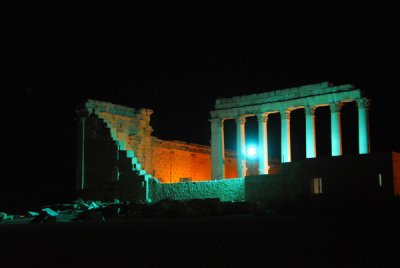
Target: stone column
x=311, y=148
x=286, y=152
x=241, y=146
x=263, y=165
x=336, y=129
x=217, y=149
x=363, y=126
x=80, y=176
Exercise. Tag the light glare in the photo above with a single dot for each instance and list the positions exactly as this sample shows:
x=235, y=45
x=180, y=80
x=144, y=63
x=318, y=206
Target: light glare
x=251, y=151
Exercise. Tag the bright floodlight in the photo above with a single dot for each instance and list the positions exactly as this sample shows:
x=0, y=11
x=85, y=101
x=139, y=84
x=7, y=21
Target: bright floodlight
x=251, y=151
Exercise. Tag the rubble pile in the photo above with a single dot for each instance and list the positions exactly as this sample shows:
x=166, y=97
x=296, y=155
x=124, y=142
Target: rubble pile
x=97, y=211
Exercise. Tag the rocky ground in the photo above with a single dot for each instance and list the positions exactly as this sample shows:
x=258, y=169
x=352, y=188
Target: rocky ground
x=97, y=211
x=199, y=233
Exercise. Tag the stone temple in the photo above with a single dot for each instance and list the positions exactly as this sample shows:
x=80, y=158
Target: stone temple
x=119, y=158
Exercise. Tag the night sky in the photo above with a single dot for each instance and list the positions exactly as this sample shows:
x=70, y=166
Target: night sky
x=176, y=60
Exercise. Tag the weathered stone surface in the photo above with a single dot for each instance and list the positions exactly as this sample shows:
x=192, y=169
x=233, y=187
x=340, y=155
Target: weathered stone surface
x=50, y=212
x=32, y=214
x=44, y=217
x=225, y=190
x=173, y=160
x=93, y=205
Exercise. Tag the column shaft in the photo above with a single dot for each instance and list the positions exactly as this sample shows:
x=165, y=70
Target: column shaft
x=263, y=165
x=336, y=131
x=81, y=174
x=82, y=179
x=311, y=148
x=363, y=126
x=285, y=137
x=241, y=146
x=217, y=149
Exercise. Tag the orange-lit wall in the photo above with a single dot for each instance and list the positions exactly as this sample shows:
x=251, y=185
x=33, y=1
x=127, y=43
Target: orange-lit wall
x=396, y=173
x=173, y=160
x=230, y=167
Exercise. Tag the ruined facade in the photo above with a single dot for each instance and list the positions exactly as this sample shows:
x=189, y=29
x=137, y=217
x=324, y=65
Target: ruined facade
x=119, y=158
x=130, y=132
x=283, y=102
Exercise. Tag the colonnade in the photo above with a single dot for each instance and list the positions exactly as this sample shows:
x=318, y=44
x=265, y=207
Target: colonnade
x=217, y=133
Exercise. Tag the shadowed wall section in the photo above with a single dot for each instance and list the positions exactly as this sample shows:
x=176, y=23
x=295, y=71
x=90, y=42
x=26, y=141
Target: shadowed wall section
x=107, y=170
x=364, y=178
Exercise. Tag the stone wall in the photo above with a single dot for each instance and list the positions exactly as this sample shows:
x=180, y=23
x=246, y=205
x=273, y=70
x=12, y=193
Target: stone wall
x=343, y=178
x=107, y=171
x=175, y=161
x=226, y=190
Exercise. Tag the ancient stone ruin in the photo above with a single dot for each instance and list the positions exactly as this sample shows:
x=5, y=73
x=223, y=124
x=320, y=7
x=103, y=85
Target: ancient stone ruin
x=283, y=102
x=130, y=131
x=119, y=158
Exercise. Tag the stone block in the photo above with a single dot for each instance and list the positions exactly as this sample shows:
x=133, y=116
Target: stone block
x=32, y=214
x=44, y=217
x=50, y=212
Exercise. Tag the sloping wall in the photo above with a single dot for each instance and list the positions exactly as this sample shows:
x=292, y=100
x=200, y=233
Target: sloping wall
x=168, y=161
x=108, y=171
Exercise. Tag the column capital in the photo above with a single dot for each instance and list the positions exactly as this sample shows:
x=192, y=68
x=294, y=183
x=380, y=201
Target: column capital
x=335, y=107
x=285, y=114
x=216, y=121
x=309, y=110
x=240, y=120
x=262, y=117
x=363, y=103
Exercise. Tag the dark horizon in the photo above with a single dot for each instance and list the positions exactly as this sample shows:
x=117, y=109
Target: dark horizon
x=176, y=60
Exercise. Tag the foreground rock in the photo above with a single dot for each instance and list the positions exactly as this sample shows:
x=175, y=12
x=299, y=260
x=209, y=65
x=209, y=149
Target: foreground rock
x=3, y=216
x=96, y=211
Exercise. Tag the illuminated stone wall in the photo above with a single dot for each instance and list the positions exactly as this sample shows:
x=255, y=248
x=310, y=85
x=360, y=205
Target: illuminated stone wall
x=128, y=128
x=175, y=161
x=168, y=161
x=226, y=190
